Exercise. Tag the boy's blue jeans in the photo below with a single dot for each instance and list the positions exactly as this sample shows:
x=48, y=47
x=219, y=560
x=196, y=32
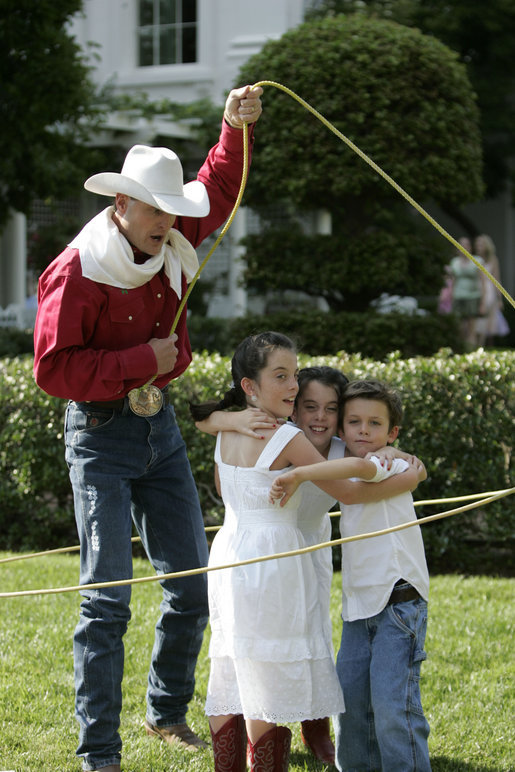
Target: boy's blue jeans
x=378, y=665
x=126, y=468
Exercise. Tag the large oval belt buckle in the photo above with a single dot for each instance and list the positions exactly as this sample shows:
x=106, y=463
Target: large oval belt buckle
x=146, y=401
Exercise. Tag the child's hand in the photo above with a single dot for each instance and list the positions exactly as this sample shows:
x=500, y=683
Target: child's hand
x=283, y=488
x=420, y=468
x=385, y=455
x=388, y=454
x=253, y=419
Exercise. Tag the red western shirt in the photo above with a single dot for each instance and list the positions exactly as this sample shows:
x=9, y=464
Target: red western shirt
x=90, y=339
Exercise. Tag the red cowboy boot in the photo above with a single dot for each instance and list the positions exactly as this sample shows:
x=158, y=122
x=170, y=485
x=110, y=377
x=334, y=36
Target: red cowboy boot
x=272, y=751
x=230, y=745
x=316, y=735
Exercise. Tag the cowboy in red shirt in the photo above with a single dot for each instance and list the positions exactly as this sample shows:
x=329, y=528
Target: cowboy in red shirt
x=105, y=309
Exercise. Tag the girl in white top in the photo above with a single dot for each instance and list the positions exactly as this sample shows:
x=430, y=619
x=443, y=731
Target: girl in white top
x=271, y=659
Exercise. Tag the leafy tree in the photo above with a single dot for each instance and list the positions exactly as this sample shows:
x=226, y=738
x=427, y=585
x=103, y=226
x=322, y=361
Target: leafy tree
x=46, y=102
x=482, y=34
x=405, y=101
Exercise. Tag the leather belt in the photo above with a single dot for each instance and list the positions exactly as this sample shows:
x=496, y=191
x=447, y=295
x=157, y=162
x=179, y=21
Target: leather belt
x=403, y=594
x=119, y=404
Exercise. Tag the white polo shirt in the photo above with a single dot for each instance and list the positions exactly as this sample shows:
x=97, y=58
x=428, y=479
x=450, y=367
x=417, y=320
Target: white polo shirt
x=371, y=567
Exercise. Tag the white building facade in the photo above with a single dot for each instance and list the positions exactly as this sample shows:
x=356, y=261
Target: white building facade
x=185, y=50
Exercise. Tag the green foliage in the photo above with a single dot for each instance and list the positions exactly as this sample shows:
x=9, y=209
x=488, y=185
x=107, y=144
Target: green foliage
x=35, y=494
x=401, y=96
x=459, y=420
x=348, y=272
x=405, y=101
x=373, y=335
x=482, y=35
x=47, y=103
x=14, y=342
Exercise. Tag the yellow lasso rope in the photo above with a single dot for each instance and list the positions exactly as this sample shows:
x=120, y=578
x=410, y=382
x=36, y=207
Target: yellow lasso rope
x=224, y=229
x=212, y=528
x=365, y=158
x=261, y=559
x=392, y=182
x=223, y=232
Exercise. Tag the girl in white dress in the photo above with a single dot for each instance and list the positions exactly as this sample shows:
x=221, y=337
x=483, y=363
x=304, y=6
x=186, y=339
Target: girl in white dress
x=316, y=412
x=269, y=655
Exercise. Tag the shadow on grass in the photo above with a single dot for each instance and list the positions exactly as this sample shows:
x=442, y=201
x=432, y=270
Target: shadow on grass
x=446, y=764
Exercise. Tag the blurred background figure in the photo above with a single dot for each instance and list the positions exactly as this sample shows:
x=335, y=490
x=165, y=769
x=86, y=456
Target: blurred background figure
x=467, y=288
x=445, y=297
x=490, y=322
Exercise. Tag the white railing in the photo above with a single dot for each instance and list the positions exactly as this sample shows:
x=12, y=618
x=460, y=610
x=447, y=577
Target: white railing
x=19, y=316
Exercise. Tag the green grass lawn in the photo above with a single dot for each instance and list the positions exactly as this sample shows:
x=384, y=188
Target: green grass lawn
x=467, y=681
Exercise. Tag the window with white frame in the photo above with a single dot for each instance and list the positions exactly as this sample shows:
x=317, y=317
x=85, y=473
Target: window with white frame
x=167, y=32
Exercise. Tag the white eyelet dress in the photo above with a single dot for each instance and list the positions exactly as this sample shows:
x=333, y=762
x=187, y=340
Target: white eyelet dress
x=270, y=658
x=315, y=525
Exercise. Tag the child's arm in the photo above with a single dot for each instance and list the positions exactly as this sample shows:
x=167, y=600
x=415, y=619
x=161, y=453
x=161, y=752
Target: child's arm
x=286, y=484
x=247, y=421
x=363, y=493
x=300, y=452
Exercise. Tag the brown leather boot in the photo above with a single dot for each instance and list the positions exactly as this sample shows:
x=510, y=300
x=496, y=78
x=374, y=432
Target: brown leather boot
x=316, y=735
x=272, y=751
x=230, y=746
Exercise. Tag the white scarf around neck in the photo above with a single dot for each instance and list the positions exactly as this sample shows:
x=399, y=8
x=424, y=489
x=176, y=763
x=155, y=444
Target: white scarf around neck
x=107, y=257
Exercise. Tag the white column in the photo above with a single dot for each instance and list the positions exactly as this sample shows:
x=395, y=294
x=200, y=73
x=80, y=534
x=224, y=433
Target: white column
x=13, y=246
x=237, y=293
x=323, y=222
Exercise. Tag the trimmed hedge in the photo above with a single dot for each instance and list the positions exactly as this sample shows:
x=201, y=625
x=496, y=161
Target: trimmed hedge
x=459, y=418
x=371, y=335
x=14, y=342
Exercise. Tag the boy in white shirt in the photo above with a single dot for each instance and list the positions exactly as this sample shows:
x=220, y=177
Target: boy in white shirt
x=385, y=590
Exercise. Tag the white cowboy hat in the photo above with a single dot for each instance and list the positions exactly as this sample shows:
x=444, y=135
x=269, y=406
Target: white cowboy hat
x=153, y=175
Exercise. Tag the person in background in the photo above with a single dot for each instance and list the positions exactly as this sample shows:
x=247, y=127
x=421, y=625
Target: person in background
x=106, y=306
x=385, y=585
x=490, y=322
x=467, y=287
x=445, y=296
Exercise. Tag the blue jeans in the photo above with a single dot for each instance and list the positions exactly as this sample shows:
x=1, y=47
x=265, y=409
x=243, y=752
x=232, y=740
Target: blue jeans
x=126, y=468
x=378, y=665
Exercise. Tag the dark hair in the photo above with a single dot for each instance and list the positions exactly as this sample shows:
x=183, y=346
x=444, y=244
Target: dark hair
x=250, y=357
x=328, y=376
x=372, y=389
